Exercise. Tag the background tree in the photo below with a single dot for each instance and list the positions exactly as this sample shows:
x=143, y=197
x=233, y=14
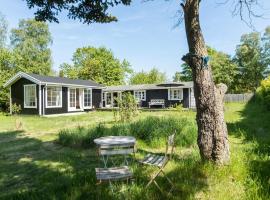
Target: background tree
x=30, y=44
x=3, y=30
x=98, y=64
x=177, y=77
x=151, y=77
x=6, y=64
x=252, y=56
x=224, y=68
x=212, y=130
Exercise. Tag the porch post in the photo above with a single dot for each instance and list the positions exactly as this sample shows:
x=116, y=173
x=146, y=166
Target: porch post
x=39, y=99
x=10, y=101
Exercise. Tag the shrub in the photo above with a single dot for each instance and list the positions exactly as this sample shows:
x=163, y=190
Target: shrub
x=150, y=129
x=263, y=93
x=127, y=107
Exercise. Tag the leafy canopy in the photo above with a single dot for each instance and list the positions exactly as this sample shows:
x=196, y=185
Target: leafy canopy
x=86, y=11
x=97, y=64
x=151, y=77
x=30, y=44
x=253, y=56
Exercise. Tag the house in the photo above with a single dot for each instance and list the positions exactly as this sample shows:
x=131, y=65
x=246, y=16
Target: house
x=44, y=95
x=152, y=95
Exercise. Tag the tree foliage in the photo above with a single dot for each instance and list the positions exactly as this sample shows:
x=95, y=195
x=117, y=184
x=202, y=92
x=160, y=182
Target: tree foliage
x=151, y=77
x=223, y=67
x=30, y=44
x=3, y=30
x=252, y=56
x=98, y=64
x=86, y=11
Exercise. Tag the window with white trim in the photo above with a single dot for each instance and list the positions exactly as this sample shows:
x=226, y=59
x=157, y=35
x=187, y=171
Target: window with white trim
x=176, y=94
x=72, y=98
x=54, y=97
x=140, y=95
x=30, y=96
x=87, y=98
x=108, y=98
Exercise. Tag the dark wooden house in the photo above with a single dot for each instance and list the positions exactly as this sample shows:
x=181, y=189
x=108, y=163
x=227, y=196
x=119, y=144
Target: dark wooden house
x=153, y=95
x=44, y=95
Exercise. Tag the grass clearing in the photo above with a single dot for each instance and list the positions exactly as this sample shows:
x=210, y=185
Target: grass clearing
x=33, y=165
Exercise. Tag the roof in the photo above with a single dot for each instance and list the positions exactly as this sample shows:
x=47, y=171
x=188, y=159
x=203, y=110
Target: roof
x=147, y=86
x=40, y=79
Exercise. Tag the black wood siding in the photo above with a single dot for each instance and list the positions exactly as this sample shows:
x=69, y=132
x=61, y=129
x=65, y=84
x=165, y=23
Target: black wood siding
x=17, y=95
x=96, y=98
x=159, y=94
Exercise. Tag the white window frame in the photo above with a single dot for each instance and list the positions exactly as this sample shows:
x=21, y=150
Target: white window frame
x=91, y=98
x=46, y=98
x=24, y=89
x=172, y=90
x=140, y=91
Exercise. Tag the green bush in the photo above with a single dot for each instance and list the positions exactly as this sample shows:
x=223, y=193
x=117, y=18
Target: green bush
x=263, y=93
x=151, y=130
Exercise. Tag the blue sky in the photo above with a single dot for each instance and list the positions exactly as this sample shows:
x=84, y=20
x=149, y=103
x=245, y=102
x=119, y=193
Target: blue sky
x=145, y=33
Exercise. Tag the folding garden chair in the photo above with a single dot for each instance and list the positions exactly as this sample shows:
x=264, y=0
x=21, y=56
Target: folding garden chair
x=160, y=161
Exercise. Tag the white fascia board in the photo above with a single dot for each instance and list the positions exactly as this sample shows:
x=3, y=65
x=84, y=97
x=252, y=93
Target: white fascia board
x=21, y=75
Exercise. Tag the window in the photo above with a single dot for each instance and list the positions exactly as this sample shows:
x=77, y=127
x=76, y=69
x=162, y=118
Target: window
x=72, y=98
x=140, y=95
x=54, y=97
x=87, y=98
x=108, y=98
x=176, y=94
x=30, y=97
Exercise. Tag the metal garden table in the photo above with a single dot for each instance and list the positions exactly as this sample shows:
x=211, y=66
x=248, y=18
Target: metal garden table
x=115, y=145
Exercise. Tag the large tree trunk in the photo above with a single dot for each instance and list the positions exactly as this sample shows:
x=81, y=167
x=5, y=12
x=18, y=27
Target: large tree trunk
x=212, y=129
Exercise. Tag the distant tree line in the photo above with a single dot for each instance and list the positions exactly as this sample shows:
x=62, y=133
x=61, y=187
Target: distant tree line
x=242, y=72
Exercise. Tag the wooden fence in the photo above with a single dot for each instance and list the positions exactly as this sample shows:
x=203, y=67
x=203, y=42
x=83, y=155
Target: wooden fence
x=238, y=97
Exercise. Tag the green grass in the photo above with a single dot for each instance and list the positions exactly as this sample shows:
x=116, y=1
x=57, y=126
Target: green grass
x=33, y=165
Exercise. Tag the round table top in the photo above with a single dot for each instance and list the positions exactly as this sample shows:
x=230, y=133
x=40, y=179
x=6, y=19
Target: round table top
x=115, y=140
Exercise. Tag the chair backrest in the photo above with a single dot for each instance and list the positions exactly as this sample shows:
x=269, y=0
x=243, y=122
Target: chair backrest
x=170, y=145
x=124, y=149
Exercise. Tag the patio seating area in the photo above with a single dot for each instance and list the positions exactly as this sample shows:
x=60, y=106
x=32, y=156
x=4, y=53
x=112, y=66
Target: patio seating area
x=125, y=146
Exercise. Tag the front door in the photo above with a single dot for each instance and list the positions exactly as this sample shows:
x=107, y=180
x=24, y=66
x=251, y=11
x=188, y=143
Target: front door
x=75, y=99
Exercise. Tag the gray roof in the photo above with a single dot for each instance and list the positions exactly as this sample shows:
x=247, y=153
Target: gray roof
x=63, y=80
x=147, y=86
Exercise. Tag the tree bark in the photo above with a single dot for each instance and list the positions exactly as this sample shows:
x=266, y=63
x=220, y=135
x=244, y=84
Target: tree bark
x=212, y=129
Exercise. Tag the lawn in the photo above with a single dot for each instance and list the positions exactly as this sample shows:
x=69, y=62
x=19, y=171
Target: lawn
x=36, y=164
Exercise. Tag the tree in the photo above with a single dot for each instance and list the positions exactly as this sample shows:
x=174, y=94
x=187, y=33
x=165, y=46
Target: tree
x=98, y=64
x=224, y=68
x=151, y=77
x=252, y=56
x=212, y=130
x=184, y=75
x=3, y=30
x=6, y=71
x=30, y=44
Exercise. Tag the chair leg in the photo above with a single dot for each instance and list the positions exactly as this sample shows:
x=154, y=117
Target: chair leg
x=169, y=180
x=153, y=178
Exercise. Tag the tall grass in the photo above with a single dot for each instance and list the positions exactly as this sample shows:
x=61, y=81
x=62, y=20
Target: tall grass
x=150, y=130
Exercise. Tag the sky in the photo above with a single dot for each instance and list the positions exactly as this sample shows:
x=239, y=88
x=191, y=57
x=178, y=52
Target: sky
x=145, y=33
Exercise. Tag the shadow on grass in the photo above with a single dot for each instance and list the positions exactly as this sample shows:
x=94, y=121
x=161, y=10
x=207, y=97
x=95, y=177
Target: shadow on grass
x=254, y=127
x=34, y=169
